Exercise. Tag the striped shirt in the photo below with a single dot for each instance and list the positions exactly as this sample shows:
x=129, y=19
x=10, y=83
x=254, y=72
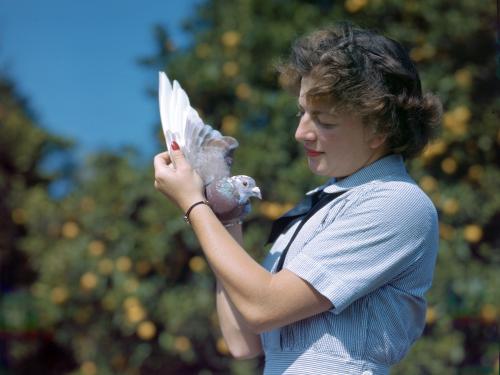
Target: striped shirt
x=371, y=252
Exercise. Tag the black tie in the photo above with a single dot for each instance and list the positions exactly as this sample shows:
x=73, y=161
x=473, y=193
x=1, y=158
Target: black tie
x=305, y=209
x=301, y=209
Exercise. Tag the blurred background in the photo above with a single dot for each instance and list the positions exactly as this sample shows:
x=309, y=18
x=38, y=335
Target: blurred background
x=99, y=273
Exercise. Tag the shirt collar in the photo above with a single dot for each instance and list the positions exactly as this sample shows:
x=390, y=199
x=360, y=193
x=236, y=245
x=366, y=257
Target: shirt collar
x=388, y=166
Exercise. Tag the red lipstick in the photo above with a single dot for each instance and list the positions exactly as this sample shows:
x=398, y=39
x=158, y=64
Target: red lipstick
x=312, y=153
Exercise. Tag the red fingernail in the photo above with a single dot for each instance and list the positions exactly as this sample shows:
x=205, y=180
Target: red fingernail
x=175, y=146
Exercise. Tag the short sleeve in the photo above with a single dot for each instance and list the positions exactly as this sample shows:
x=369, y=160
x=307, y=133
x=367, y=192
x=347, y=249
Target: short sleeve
x=377, y=238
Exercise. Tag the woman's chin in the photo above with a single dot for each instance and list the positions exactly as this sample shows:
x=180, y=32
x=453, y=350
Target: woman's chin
x=316, y=168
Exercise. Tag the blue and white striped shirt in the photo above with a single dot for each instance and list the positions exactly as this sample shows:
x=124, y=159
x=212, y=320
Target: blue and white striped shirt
x=372, y=253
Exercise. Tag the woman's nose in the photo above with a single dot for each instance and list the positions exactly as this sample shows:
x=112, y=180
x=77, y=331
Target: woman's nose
x=305, y=129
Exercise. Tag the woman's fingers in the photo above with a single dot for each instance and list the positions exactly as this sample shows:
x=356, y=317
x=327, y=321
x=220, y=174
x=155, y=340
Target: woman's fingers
x=161, y=164
x=162, y=158
x=178, y=158
x=175, y=178
x=165, y=165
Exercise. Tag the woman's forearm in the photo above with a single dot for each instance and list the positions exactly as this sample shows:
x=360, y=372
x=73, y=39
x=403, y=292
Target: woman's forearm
x=244, y=280
x=241, y=341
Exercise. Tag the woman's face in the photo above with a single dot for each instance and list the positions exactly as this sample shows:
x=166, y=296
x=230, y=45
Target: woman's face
x=336, y=145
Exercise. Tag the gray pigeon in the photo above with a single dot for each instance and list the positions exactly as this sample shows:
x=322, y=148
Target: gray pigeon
x=207, y=151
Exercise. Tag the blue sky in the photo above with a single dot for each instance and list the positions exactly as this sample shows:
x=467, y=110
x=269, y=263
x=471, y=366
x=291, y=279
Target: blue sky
x=76, y=63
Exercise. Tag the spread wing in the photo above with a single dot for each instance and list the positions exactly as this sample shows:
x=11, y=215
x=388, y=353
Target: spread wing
x=207, y=150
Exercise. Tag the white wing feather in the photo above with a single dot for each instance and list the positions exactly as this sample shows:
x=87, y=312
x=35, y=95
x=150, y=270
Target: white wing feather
x=181, y=123
x=164, y=95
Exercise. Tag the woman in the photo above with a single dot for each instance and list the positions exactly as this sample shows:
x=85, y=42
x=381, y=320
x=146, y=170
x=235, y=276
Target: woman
x=348, y=295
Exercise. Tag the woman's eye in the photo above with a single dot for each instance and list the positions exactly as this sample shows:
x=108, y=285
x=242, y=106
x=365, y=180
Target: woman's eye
x=300, y=114
x=325, y=126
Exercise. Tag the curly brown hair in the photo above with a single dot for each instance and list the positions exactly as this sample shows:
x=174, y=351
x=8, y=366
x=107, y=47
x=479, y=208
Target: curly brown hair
x=371, y=75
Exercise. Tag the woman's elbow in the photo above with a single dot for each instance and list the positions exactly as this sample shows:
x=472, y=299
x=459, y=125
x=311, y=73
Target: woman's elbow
x=245, y=353
x=244, y=348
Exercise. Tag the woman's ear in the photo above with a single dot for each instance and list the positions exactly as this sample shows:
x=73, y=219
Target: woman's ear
x=377, y=140
x=374, y=138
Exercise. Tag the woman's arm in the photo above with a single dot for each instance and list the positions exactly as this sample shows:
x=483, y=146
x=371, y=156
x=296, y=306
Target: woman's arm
x=241, y=341
x=264, y=300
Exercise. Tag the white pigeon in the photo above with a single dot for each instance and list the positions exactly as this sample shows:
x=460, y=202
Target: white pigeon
x=207, y=151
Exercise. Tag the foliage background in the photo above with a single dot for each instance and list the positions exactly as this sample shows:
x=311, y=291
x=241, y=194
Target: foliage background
x=107, y=279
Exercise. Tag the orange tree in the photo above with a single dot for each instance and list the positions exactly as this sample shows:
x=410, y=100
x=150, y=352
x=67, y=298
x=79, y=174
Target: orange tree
x=119, y=280
x=24, y=150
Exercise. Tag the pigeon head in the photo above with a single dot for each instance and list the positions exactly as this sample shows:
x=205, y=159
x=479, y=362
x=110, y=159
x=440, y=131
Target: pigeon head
x=246, y=188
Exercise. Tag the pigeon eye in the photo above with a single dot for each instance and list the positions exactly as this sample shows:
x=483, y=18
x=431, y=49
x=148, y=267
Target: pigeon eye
x=245, y=183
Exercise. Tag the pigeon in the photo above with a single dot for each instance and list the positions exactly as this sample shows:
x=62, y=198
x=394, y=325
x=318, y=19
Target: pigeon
x=208, y=152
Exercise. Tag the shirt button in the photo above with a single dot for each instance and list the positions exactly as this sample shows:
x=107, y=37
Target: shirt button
x=368, y=372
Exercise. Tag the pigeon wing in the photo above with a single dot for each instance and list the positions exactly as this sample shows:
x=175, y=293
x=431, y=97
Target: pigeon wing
x=206, y=149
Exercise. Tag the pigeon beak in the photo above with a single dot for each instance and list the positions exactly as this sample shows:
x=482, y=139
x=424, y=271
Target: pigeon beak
x=256, y=192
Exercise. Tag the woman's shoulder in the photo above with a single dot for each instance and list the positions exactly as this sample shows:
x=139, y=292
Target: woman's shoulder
x=396, y=199
x=402, y=190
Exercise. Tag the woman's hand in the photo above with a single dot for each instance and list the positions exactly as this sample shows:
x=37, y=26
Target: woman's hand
x=180, y=183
